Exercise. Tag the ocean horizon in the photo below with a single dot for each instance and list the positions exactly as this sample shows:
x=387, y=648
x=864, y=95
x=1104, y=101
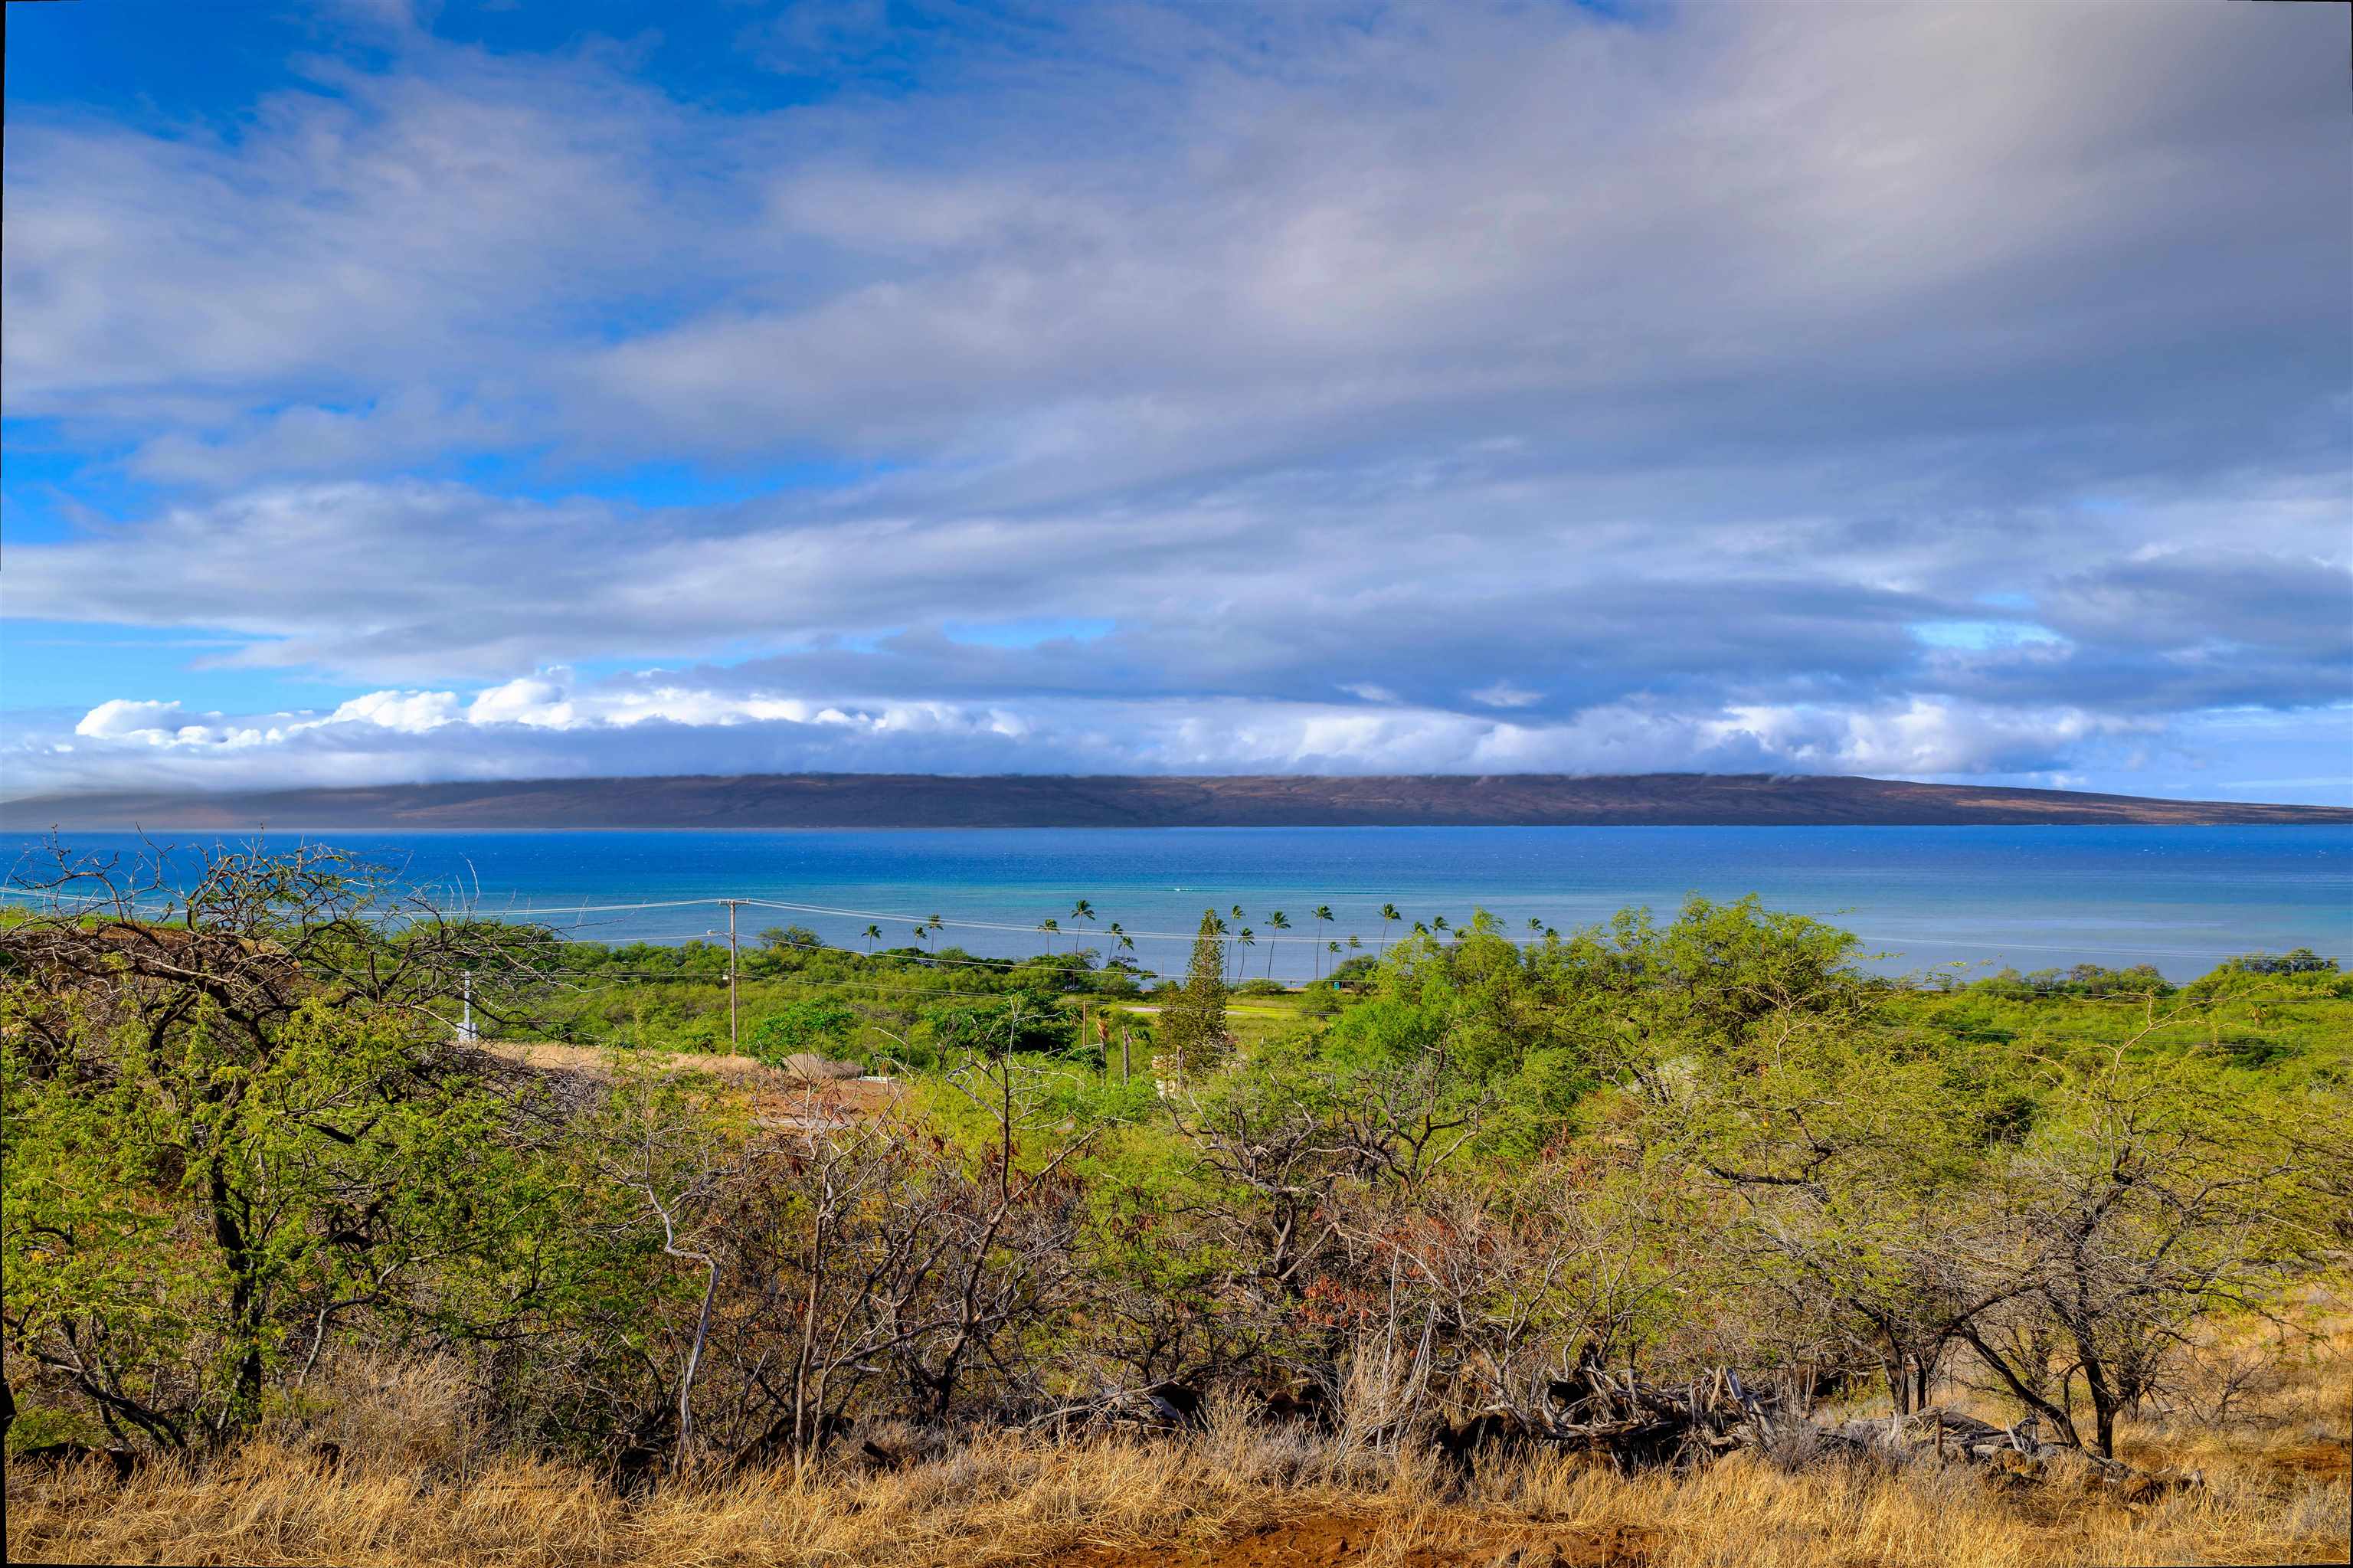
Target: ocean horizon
x=2181, y=898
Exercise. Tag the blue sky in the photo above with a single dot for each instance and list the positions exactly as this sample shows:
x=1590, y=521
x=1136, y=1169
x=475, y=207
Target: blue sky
x=1959, y=392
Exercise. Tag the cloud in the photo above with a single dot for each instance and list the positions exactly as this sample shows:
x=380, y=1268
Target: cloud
x=656, y=723
x=410, y=713
x=123, y=717
x=1904, y=388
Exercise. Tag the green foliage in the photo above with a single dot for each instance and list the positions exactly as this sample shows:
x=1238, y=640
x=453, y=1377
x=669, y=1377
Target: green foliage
x=1704, y=1141
x=1026, y=1022
x=816, y=1027
x=180, y=1205
x=2295, y=961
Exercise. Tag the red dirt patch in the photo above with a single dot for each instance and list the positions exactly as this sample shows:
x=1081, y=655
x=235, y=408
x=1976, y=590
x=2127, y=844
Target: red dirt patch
x=1327, y=1542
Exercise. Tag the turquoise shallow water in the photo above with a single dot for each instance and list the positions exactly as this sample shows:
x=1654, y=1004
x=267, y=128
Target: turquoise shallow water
x=2042, y=897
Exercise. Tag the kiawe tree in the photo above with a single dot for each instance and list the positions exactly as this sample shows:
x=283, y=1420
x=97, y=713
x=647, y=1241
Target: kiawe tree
x=214, y=1126
x=2152, y=1193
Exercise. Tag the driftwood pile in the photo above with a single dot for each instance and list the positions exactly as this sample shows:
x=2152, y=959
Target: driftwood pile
x=1637, y=1425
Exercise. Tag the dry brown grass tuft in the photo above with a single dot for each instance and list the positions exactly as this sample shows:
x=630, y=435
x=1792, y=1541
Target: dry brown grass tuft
x=416, y=1488
x=1103, y=1502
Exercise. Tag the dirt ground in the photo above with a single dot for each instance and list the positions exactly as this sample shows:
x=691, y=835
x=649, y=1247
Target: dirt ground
x=1448, y=1541
x=777, y=1098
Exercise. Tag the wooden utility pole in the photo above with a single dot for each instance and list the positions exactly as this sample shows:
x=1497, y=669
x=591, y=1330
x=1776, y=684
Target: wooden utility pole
x=735, y=1032
x=1123, y=1052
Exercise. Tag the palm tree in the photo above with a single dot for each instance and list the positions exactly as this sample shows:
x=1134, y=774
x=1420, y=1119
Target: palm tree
x=1534, y=925
x=1120, y=940
x=1050, y=925
x=1242, y=961
x=1438, y=924
x=1281, y=922
x=1323, y=913
x=1081, y=910
x=1389, y=913
x=872, y=933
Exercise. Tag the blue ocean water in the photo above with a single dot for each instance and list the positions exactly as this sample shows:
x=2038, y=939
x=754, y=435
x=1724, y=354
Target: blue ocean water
x=2037, y=898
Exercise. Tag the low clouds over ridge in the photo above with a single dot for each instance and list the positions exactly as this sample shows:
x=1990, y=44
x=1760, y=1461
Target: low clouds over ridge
x=549, y=726
x=1455, y=390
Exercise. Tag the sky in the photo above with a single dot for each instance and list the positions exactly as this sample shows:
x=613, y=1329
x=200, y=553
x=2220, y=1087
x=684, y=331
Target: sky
x=1954, y=392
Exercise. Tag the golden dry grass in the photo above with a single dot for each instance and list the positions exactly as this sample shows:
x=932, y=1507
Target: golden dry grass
x=419, y=1485
x=1236, y=1497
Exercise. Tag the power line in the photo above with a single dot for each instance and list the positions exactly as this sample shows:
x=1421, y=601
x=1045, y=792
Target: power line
x=547, y=915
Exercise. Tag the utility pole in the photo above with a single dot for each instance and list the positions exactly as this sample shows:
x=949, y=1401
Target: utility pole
x=466, y=1021
x=734, y=1034
x=1123, y=1052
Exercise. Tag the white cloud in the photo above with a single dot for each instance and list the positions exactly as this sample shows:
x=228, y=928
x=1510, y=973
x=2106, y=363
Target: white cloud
x=545, y=726
x=412, y=713
x=1504, y=695
x=125, y=717
x=532, y=701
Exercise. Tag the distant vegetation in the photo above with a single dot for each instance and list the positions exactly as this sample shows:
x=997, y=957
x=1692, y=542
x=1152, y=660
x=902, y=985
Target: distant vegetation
x=251, y=1165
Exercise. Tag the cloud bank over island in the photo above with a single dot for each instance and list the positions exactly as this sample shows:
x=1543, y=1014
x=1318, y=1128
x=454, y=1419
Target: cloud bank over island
x=1942, y=392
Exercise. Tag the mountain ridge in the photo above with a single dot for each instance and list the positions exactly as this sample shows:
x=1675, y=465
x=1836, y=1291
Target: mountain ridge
x=772, y=801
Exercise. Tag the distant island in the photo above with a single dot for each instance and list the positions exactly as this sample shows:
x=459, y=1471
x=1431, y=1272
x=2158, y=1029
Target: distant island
x=1040, y=800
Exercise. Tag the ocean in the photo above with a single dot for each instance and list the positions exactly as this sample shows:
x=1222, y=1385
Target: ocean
x=2032, y=898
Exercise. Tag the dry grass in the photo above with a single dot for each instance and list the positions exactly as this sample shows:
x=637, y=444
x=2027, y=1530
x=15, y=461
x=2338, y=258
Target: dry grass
x=775, y=1097
x=419, y=1485
x=1237, y=1497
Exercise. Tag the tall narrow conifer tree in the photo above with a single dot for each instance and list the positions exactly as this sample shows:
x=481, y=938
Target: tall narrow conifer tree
x=1196, y=1019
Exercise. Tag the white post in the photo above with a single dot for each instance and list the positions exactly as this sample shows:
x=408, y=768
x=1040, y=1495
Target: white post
x=735, y=1037
x=466, y=1023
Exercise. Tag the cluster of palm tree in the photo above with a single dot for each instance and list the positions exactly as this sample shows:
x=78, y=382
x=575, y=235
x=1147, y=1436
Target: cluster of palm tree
x=1052, y=926
x=1241, y=938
